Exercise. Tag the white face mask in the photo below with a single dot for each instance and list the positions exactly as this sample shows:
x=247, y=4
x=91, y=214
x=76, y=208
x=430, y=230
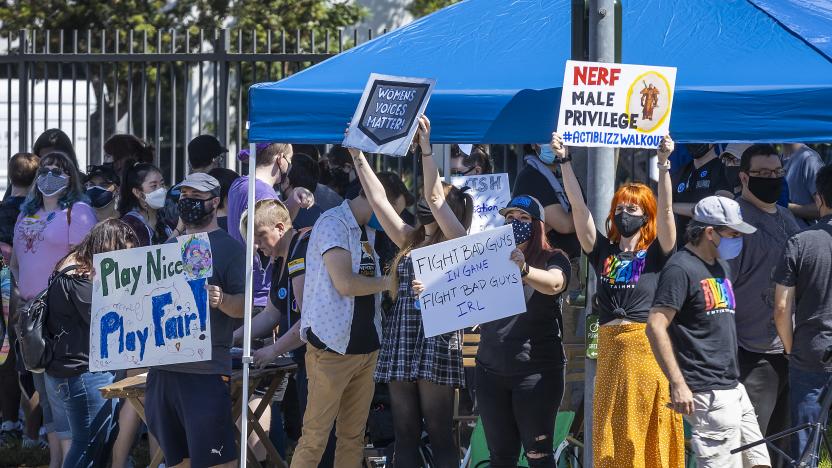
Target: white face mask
x=156, y=199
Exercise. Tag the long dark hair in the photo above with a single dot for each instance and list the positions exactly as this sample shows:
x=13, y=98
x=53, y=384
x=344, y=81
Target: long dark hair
x=134, y=177
x=538, y=250
x=106, y=236
x=460, y=203
x=74, y=192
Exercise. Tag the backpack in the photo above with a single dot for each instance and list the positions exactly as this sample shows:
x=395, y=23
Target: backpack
x=33, y=345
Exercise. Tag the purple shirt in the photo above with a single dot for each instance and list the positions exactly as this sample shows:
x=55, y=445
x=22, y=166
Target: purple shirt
x=43, y=239
x=237, y=204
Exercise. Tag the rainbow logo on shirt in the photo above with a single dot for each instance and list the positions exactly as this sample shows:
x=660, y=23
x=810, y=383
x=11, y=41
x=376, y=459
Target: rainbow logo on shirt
x=619, y=270
x=719, y=295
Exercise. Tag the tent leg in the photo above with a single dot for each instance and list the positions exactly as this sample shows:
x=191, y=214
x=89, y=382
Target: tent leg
x=249, y=297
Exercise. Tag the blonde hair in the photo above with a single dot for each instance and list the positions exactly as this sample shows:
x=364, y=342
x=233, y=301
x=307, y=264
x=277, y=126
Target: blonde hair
x=269, y=212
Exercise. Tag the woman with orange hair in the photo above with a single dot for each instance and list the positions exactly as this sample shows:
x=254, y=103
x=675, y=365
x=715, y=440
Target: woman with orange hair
x=632, y=425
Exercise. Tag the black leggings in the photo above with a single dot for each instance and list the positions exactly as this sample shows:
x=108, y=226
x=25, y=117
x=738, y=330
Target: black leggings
x=9, y=389
x=520, y=411
x=411, y=403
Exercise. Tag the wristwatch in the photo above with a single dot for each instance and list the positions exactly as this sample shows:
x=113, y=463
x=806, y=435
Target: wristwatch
x=564, y=159
x=665, y=166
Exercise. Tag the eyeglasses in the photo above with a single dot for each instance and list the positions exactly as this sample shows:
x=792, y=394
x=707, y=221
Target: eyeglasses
x=631, y=209
x=460, y=173
x=768, y=173
x=57, y=172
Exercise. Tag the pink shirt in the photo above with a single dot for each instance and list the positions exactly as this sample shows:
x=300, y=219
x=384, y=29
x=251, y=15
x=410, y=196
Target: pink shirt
x=43, y=239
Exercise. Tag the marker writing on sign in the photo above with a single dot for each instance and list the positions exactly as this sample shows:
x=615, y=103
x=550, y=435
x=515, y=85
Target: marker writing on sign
x=114, y=277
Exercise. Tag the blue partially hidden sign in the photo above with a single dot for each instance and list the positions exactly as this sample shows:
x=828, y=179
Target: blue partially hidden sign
x=386, y=119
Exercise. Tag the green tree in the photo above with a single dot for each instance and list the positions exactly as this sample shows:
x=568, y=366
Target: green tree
x=419, y=8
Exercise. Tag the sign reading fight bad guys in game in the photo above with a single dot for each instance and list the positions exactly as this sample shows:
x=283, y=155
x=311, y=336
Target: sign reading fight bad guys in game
x=490, y=193
x=615, y=105
x=150, y=305
x=387, y=115
x=468, y=281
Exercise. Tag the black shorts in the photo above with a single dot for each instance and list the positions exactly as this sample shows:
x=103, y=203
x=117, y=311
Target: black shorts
x=190, y=416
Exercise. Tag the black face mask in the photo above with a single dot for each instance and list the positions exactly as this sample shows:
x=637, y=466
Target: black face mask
x=765, y=189
x=340, y=179
x=195, y=212
x=698, y=150
x=423, y=213
x=627, y=224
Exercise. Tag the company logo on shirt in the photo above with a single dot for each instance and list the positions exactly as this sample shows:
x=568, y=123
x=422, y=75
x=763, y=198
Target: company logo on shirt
x=719, y=295
x=623, y=270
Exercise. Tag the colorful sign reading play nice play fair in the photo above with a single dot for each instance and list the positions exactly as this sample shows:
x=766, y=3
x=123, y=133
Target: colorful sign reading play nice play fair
x=615, y=105
x=150, y=305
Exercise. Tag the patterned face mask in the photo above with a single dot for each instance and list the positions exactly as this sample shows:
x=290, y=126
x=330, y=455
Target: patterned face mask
x=195, y=212
x=522, y=231
x=51, y=185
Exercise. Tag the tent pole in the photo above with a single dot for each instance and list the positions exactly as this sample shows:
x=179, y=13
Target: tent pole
x=600, y=185
x=252, y=162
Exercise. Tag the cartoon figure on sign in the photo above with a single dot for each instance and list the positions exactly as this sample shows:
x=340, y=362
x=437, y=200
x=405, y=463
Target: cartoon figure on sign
x=649, y=101
x=196, y=258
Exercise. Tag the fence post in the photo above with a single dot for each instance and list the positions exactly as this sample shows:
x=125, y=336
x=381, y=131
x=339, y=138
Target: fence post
x=222, y=58
x=22, y=93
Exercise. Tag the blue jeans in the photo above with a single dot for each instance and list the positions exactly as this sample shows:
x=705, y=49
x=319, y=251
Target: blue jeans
x=805, y=388
x=93, y=420
x=54, y=410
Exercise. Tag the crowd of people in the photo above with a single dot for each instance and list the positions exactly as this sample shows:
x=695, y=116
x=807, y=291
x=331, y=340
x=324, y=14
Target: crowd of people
x=702, y=318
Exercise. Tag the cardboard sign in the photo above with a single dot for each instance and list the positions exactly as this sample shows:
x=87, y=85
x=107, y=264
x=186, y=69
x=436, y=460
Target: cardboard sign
x=150, y=305
x=387, y=116
x=468, y=281
x=616, y=105
x=491, y=193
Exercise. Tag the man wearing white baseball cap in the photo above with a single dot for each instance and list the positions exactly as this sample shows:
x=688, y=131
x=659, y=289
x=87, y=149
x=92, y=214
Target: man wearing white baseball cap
x=692, y=332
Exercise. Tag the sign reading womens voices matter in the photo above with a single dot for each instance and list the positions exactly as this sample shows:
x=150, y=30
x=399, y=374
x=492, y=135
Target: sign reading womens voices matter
x=490, y=193
x=615, y=105
x=150, y=305
x=387, y=116
x=468, y=281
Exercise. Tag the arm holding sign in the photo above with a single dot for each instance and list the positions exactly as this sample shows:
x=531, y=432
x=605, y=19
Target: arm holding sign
x=231, y=305
x=665, y=221
x=550, y=282
x=398, y=231
x=582, y=218
x=434, y=193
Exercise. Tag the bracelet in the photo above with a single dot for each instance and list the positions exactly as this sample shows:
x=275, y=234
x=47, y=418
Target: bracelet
x=425, y=155
x=665, y=166
x=564, y=159
x=525, y=270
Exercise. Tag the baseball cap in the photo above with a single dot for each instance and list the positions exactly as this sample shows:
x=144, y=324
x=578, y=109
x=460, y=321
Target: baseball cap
x=527, y=204
x=206, y=145
x=105, y=171
x=735, y=150
x=202, y=182
x=721, y=211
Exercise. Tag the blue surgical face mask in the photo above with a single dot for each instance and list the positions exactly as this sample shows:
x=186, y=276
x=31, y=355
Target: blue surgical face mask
x=375, y=224
x=729, y=247
x=546, y=154
x=522, y=231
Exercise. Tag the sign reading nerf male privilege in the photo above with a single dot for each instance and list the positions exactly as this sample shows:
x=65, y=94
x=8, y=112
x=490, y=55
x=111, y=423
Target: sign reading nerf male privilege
x=468, y=281
x=490, y=193
x=387, y=116
x=150, y=305
x=618, y=105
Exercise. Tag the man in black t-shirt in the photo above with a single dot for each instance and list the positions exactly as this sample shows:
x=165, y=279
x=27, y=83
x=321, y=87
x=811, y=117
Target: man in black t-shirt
x=700, y=178
x=803, y=312
x=692, y=332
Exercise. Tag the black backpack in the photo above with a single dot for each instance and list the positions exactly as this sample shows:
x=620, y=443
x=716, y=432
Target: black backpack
x=33, y=344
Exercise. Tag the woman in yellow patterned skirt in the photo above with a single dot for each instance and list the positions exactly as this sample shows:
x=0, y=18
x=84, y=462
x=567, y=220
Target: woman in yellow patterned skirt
x=632, y=425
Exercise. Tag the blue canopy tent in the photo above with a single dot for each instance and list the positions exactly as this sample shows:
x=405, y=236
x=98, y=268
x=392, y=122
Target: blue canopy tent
x=743, y=75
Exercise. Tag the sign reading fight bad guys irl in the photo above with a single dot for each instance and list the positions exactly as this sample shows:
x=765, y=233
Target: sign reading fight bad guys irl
x=468, y=281
x=150, y=305
x=615, y=105
x=387, y=115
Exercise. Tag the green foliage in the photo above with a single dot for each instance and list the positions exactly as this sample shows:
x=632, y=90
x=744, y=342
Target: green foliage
x=419, y=8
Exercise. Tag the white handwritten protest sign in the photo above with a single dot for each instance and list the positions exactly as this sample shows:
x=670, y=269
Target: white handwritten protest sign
x=150, y=306
x=490, y=193
x=616, y=105
x=469, y=280
x=387, y=115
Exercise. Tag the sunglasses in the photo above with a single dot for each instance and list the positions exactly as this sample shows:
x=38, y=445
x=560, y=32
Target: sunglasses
x=56, y=172
x=460, y=173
